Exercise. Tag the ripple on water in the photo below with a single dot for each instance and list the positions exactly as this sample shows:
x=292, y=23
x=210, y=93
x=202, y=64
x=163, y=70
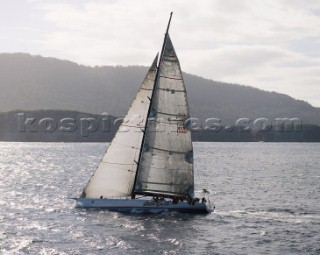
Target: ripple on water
x=264, y=204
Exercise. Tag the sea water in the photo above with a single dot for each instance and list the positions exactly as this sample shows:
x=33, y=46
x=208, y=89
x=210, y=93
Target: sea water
x=267, y=198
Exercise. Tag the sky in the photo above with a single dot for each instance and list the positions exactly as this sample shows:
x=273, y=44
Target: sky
x=272, y=45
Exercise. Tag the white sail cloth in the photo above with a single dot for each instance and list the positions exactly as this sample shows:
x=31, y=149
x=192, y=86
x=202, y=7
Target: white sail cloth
x=166, y=167
x=115, y=175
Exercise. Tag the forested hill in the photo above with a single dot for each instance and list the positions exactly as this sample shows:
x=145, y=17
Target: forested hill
x=34, y=82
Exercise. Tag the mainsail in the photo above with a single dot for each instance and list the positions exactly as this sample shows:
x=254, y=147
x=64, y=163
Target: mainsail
x=116, y=173
x=166, y=162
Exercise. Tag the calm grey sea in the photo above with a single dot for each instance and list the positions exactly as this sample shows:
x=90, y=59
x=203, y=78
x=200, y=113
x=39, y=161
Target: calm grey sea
x=267, y=198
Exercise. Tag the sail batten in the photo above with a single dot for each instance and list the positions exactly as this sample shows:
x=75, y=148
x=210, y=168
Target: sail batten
x=171, y=78
x=170, y=151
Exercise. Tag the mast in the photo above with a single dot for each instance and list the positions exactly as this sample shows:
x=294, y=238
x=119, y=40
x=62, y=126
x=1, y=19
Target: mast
x=164, y=41
x=152, y=96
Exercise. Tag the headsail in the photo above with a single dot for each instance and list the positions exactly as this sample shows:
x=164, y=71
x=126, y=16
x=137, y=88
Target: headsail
x=116, y=173
x=166, y=165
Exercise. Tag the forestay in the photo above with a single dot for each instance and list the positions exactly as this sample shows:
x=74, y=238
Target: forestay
x=165, y=166
x=115, y=174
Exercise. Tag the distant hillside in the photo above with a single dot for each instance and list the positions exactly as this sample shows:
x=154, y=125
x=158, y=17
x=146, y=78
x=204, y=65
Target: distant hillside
x=33, y=82
x=56, y=126
x=71, y=126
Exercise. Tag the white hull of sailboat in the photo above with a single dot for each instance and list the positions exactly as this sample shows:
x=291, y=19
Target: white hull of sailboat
x=142, y=205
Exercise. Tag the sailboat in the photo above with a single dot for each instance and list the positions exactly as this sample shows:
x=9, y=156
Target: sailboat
x=148, y=166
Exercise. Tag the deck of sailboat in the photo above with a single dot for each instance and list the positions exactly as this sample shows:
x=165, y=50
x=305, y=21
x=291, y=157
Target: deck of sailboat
x=142, y=205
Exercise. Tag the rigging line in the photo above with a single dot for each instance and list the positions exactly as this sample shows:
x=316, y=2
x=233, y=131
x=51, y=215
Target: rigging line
x=122, y=169
x=120, y=164
x=170, y=169
x=176, y=152
x=169, y=114
x=161, y=158
x=171, y=78
x=126, y=125
x=170, y=153
x=170, y=90
x=163, y=183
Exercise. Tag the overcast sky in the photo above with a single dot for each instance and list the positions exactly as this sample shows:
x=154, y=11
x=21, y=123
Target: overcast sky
x=273, y=45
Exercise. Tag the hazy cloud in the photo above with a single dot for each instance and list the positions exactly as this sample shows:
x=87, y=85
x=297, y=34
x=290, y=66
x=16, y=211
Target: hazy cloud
x=272, y=45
